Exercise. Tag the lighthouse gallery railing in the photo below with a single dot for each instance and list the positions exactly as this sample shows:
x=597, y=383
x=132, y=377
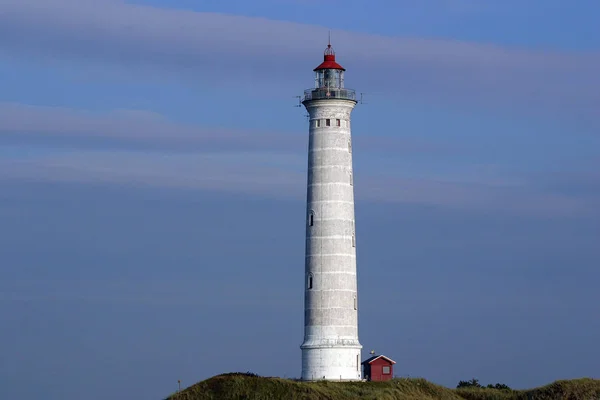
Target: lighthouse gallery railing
x=329, y=93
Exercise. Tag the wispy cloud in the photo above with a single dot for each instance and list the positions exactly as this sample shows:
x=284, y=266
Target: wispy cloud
x=245, y=52
x=285, y=177
x=267, y=53
x=133, y=126
x=525, y=198
x=254, y=173
x=140, y=130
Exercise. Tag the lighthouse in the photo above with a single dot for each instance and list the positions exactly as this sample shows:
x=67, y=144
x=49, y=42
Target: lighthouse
x=331, y=349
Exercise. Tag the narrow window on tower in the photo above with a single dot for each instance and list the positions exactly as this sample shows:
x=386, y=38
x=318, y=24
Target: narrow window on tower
x=309, y=281
x=355, y=303
x=351, y=180
x=327, y=122
x=338, y=122
x=357, y=362
x=353, y=239
x=317, y=123
x=349, y=146
x=311, y=218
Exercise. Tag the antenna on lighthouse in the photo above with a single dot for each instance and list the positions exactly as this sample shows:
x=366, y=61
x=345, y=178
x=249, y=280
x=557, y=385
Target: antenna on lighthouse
x=362, y=101
x=299, y=101
x=306, y=115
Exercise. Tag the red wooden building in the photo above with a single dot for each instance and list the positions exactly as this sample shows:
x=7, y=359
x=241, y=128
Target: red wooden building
x=378, y=368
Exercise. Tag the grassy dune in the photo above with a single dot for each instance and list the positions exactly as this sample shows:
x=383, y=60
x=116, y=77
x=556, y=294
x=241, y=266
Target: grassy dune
x=247, y=387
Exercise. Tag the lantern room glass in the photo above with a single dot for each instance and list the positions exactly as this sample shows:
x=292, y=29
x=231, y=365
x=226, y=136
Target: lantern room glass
x=329, y=78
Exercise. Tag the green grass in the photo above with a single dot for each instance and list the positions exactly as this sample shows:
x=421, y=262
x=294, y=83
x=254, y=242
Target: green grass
x=247, y=387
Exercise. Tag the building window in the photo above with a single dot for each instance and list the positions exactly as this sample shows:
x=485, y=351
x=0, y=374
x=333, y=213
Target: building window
x=351, y=180
x=353, y=239
x=338, y=122
x=309, y=281
x=317, y=123
x=350, y=146
x=311, y=218
x=328, y=122
x=355, y=303
x=357, y=363
x=386, y=370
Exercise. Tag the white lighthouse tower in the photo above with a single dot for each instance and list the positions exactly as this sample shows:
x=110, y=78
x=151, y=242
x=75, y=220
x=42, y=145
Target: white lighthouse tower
x=331, y=349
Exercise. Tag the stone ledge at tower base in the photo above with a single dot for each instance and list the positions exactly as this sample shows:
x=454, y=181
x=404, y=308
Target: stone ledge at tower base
x=339, y=363
x=319, y=343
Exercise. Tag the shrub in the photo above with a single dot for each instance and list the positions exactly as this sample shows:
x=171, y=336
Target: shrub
x=472, y=383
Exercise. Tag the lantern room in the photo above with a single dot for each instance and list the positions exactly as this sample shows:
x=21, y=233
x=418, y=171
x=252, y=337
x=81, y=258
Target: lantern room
x=329, y=74
x=329, y=80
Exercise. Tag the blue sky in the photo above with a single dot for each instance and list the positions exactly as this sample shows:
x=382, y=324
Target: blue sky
x=152, y=188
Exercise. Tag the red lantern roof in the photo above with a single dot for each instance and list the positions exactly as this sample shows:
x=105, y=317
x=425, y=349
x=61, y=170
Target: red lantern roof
x=329, y=60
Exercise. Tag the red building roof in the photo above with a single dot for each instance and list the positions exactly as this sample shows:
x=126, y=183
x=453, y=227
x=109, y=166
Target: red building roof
x=370, y=360
x=329, y=60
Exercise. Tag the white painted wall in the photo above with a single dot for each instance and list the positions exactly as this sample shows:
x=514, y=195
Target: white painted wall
x=331, y=349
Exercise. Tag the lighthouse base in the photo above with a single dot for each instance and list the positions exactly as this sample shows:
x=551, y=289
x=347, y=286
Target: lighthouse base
x=331, y=363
